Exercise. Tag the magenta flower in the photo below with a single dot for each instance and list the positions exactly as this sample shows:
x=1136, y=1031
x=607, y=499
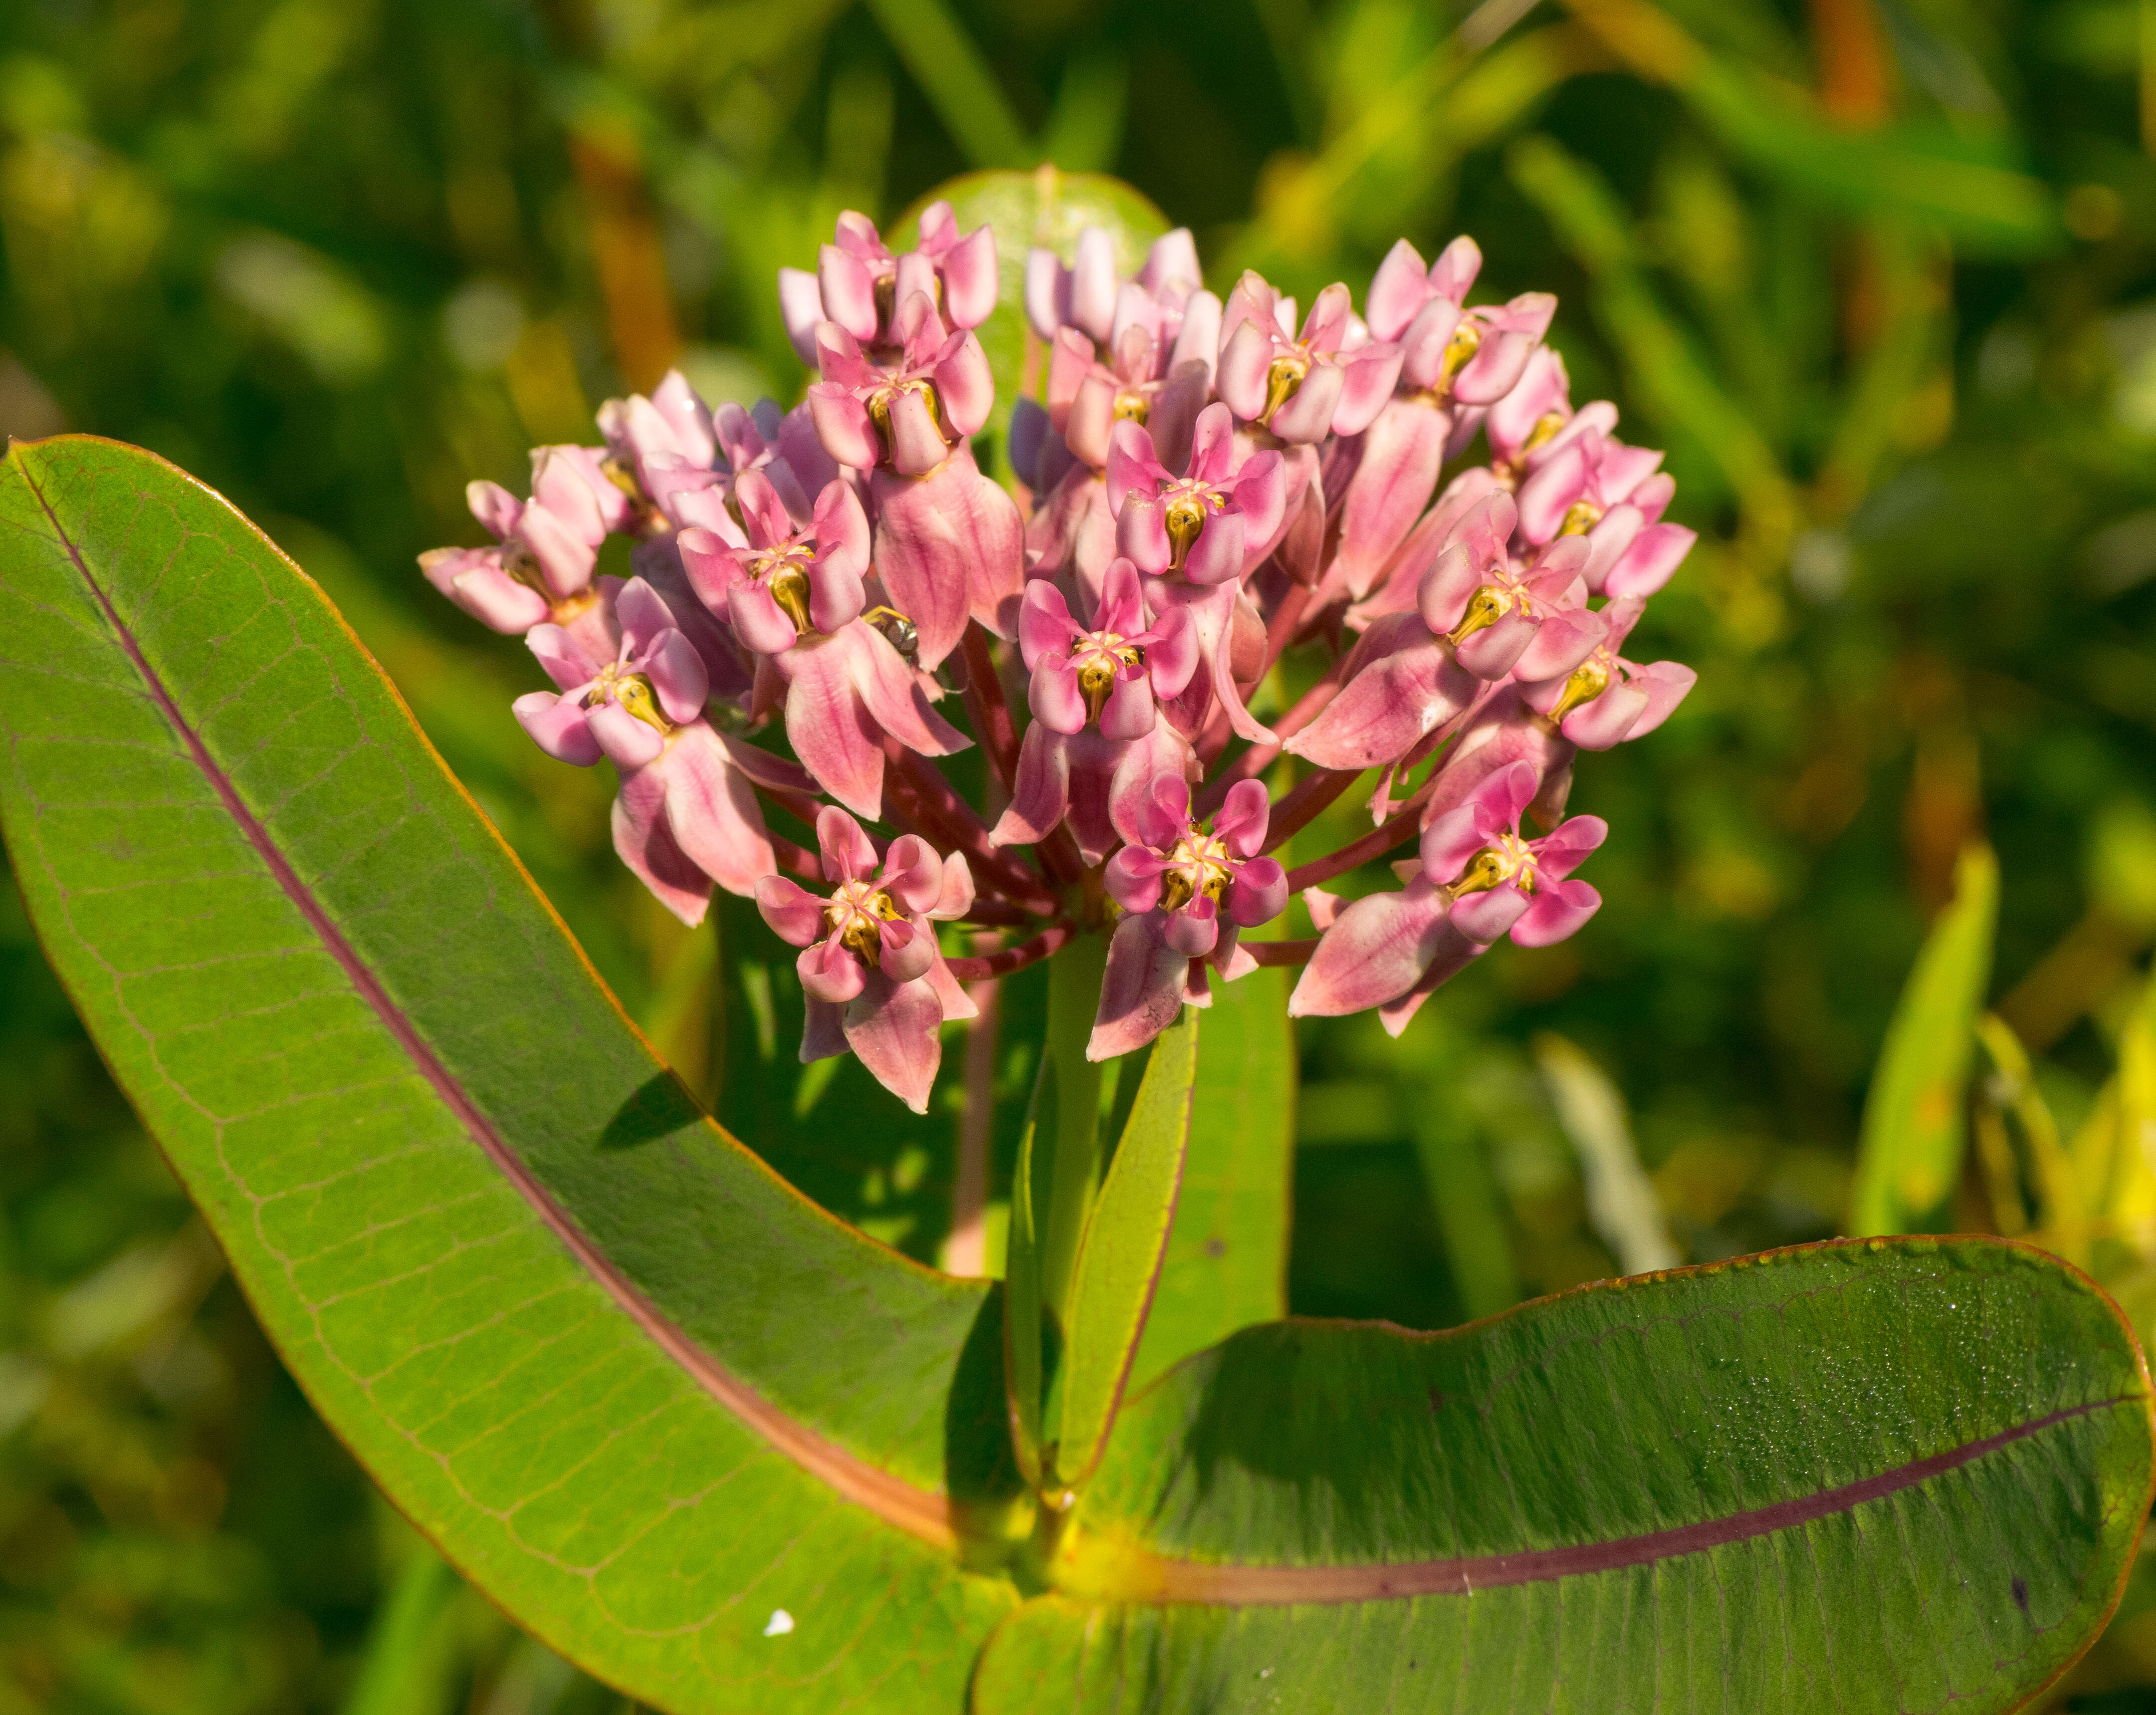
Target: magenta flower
x=1476, y=880
x=859, y=285
x=949, y=543
x=1536, y=410
x=1091, y=751
x=1450, y=357
x=1329, y=379
x=1211, y=525
x=1498, y=613
x=1607, y=699
x=875, y=979
x=795, y=598
x=1176, y=882
x=1588, y=483
x=647, y=438
x=546, y=547
x=686, y=816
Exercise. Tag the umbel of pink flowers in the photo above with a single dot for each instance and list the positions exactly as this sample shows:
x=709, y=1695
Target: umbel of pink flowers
x=1201, y=486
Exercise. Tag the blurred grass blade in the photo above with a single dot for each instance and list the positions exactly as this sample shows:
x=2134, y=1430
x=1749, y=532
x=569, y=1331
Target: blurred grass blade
x=956, y=81
x=1620, y=1199
x=1477, y=1238
x=2061, y=1205
x=412, y=1664
x=1911, y=1152
x=1086, y=127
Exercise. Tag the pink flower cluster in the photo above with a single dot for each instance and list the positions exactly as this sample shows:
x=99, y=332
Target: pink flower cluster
x=1204, y=485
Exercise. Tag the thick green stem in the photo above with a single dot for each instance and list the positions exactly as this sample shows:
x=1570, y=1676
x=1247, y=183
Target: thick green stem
x=1073, y=995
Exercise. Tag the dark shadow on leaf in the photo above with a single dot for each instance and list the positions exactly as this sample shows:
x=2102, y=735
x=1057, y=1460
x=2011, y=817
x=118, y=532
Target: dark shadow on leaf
x=659, y=1107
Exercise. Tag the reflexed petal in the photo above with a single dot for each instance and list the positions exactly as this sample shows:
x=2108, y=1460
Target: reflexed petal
x=1142, y=533
x=1563, y=642
x=643, y=841
x=1132, y=878
x=496, y=509
x=1377, y=948
x=1453, y=274
x=1606, y=721
x=1132, y=466
x=473, y=578
x=1093, y=282
x=947, y=546
x=795, y=915
x=1261, y=493
x=917, y=445
x=1040, y=794
x=1450, y=842
x=1307, y=416
x=1548, y=495
x=1565, y=847
x=712, y=810
x=1129, y=711
x=964, y=384
x=565, y=559
x=1407, y=686
x=1198, y=342
x=893, y=1028
x=1171, y=260
x=1452, y=955
x=712, y=566
x=1090, y=424
x=847, y=290
x=823, y=1030
x=1557, y=912
x=912, y=873
x=891, y=692
x=1396, y=290
x=1218, y=555
x=1667, y=684
x=1171, y=651
x=830, y=728
x=558, y=726
x=1141, y=991
x=1367, y=380
x=1402, y=453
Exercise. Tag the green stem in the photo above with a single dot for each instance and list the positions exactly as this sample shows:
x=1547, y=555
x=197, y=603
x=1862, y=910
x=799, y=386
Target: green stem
x=1073, y=995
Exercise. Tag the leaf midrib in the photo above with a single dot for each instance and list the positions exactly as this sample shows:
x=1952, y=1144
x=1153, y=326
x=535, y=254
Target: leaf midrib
x=1131, y=1573
x=921, y=1512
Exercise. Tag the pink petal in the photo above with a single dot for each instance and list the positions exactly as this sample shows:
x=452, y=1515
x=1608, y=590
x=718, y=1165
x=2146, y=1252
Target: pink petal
x=1041, y=792
x=1243, y=814
x=1047, y=292
x=847, y=290
x=1650, y=561
x=628, y=742
x=843, y=425
x=1054, y=696
x=1093, y=282
x=823, y=1029
x=1453, y=274
x=964, y=384
x=893, y=694
x=677, y=674
x=1044, y=624
x=558, y=726
x=1257, y=894
x=969, y=278
x=1565, y=847
x=894, y=1029
x=829, y=973
x=1129, y=711
x=566, y=561
x=830, y=728
x=643, y=841
x=1667, y=684
x=912, y=873
x=950, y=544
x=1490, y=652
x=1484, y=916
x=905, y=952
x=1450, y=842
x=1557, y=912
x=1171, y=651
x=954, y=896
x=1141, y=991
x=1605, y=721
x=1408, y=685
x=1366, y=388
x=1194, y=931
x=1396, y=290
x=1132, y=878
x=713, y=812
x=1142, y=532
x=473, y=578
x=1090, y=426
x=1307, y=416
x=849, y=854
x=712, y=565
x=1563, y=642
x=1241, y=375
x=1218, y=554
x=795, y=915
x=1402, y=453
x=1261, y=492
x=1376, y=949
x=496, y=509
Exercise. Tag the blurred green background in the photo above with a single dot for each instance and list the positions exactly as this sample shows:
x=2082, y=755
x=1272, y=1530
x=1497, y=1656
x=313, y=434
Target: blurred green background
x=1879, y=274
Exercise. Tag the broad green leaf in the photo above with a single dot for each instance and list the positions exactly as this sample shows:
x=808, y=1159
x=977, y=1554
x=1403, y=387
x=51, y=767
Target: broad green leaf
x=1226, y=1266
x=1126, y=1236
x=628, y=1381
x=1867, y=1475
x=1913, y=1136
x=1047, y=208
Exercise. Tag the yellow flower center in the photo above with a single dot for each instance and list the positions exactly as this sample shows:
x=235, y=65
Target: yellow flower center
x=629, y=690
x=1283, y=378
x=1486, y=606
x=1508, y=860
x=1200, y=864
x=855, y=913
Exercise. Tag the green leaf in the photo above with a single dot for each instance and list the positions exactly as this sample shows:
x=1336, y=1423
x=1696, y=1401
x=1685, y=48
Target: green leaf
x=1866, y=1476
x=1914, y=1133
x=1047, y=208
x=1226, y=1266
x=628, y=1382
x=1125, y=1237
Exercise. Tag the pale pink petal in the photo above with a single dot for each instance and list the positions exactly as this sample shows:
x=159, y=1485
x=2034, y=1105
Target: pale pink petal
x=1132, y=878
x=1557, y=912
x=1141, y=991
x=565, y=560
x=847, y=290
x=1257, y=894
x=1040, y=794
x=1047, y=292
x=1650, y=561
x=1490, y=652
x=1449, y=843
x=1243, y=814
x=473, y=578
x=1089, y=426
x=644, y=842
x=950, y=544
x=1408, y=685
x=1367, y=382
x=1397, y=291
x=1194, y=931
x=1171, y=651
x=1129, y=711
x=628, y=742
x=1484, y=916
x=905, y=952
x=1142, y=532
x=713, y=812
x=1093, y=282
x=893, y=694
x=1054, y=696
x=558, y=726
x=969, y=278
x=964, y=384
x=829, y=973
x=830, y=728
x=677, y=674
x=893, y=1028
x=1667, y=684
x=495, y=508
x=1606, y=720
x=1044, y=623
x=1402, y=453
x=1307, y=416
x=1548, y=495
x=1241, y=375
x=1564, y=640
x=1218, y=554
x=795, y=915
x=1375, y=949
x=843, y=425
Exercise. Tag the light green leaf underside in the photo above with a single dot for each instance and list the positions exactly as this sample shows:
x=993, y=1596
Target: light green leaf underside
x=1258, y=1470
x=493, y=1382
x=1226, y=1266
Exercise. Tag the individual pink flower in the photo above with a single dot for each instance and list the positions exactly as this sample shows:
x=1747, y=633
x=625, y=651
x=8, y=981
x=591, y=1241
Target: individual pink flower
x=1532, y=414
x=1607, y=699
x=860, y=284
x=546, y=549
x=686, y=816
x=1499, y=613
x=669, y=431
x=1476, y=880
x=1329, y=379
x=949, y=543
x=1588, y=483
x=1094, y=697
x=1186, y=893
x=794, y=597
x=869, y=966
x=1450, y=357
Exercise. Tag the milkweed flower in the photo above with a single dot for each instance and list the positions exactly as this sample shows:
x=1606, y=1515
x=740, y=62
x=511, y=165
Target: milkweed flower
x=795, y=598
x=1477, y=880
x=949, y=543
x=546, y=549
x=1096, y=740
x=1329, y=378
x=869, y=966
x=859, y=285
x=1186, y=892
x=686, y=814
